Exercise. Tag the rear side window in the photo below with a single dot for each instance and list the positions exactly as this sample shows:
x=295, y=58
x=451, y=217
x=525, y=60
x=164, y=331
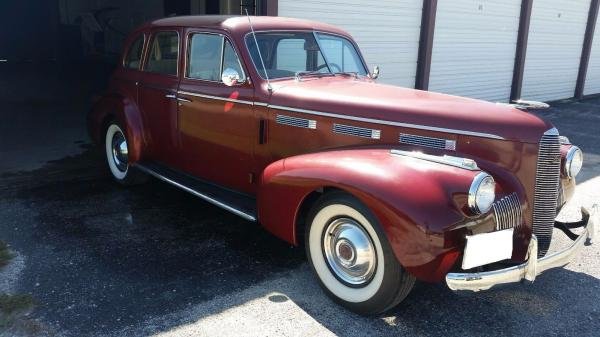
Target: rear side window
x=164, y=53
x=134, y=54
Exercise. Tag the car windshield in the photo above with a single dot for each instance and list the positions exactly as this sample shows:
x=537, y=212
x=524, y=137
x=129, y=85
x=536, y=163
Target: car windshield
x=288, y=54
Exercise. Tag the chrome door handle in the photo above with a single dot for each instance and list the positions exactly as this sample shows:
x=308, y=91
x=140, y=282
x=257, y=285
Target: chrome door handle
x=171, y=96
x=181, y=99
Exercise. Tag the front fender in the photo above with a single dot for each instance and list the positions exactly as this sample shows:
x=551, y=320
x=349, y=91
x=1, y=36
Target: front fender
x=127, y=114
x=416, y=201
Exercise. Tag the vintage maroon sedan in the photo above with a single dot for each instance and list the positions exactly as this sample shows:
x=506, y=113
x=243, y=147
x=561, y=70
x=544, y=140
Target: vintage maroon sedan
x=279, y=121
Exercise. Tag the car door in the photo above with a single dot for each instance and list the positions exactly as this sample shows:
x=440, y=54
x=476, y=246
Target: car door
x=217, y=126
x=157, y=89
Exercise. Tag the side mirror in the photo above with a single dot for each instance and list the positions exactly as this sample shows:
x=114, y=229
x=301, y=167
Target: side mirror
x=375, y=72
x=231, y=77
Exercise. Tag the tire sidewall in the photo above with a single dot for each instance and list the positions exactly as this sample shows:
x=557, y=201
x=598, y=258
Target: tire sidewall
x=112, y=129
x=381, y=291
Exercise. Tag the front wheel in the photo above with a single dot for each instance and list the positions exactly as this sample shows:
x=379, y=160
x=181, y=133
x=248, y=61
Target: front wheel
x=351, y=256
x=117, y=157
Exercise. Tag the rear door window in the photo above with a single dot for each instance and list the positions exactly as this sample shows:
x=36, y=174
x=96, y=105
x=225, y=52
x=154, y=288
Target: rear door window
x=163, y=54
x=133, y=59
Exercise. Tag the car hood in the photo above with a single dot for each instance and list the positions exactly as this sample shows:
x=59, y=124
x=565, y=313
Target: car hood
x=366, y=99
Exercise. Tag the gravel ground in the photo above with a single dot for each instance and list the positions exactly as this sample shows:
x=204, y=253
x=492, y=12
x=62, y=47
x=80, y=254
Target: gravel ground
x=102, y=260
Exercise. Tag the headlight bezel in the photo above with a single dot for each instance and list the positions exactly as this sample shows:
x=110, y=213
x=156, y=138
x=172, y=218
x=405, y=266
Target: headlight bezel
x=474, y=195
x=568, y=164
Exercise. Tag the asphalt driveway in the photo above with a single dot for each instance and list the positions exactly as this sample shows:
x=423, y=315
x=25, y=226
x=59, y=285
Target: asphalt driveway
x=101, y=260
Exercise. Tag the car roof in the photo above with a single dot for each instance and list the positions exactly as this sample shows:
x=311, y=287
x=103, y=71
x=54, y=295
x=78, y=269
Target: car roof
x=239, y=24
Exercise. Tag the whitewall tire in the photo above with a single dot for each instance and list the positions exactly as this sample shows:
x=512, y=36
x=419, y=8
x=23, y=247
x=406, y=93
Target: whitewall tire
x=351, y=256
x=117, y=156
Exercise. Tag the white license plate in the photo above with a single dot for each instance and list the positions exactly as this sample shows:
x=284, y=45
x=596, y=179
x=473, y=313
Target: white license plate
x=482, y=249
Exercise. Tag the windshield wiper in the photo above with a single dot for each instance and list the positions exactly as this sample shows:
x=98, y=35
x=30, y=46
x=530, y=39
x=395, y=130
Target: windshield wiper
x=306, y=73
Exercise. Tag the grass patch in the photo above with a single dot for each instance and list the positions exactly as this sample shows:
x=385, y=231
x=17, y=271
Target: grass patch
x=12, y=308
x=5, y=254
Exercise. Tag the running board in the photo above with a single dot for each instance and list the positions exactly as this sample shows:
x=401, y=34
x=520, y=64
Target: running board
x=239, y=204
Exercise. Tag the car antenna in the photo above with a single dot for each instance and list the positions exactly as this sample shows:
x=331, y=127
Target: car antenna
x=262, y=62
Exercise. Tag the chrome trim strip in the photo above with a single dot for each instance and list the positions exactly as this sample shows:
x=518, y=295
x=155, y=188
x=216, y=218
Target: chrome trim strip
x=356, y=131
x=216, y=97
x=433, y=142
x=296, y=122
x=384, y=122
x=464, y=163
x=196, y=193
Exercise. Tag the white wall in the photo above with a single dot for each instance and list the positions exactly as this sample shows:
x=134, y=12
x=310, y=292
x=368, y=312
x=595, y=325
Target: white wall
x=554, y=50
x=474, y=48
x=387, y=31
x=592, y=82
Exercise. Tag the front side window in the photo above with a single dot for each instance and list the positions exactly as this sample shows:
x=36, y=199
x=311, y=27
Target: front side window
x=133, y=58
x=209, y=55
x=164, y=53
x=287, y=54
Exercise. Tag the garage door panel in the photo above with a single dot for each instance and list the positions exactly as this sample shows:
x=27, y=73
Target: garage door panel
x=474, y=48
x=592, y=81
x=556, y=36
x=387, y=32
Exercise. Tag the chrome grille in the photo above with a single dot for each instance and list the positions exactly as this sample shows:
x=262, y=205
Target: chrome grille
x=356, y=131
x=507, y=212
x=297, y=122
x=436, y=143
x=546, y=189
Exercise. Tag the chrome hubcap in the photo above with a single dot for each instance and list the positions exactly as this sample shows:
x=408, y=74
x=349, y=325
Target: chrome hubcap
x=119, y=151
x=349, y=251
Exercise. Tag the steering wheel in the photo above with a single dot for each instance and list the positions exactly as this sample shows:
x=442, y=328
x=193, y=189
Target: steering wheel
x=333, y=65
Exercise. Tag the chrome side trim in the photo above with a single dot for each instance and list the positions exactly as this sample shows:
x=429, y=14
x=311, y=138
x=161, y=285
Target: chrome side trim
x=436, y=143
x=356, y=131
x=216, y=97
x=507, y=212
x=297, y=122
x=464, y=163
x=530, y=269
x=196, y=193
x=384, y=122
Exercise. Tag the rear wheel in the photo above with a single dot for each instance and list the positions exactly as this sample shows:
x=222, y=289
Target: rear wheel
x=117, y=157
x=351, y=256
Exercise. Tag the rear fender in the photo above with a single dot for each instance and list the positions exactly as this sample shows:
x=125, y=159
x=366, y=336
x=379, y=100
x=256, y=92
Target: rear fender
x=127, y=114
x=415, y=200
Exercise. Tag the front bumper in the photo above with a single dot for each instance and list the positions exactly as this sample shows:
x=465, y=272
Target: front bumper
x=533, y=266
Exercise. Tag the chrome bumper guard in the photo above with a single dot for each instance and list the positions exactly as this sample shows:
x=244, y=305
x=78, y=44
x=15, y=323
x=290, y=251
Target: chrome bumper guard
x=533, y=266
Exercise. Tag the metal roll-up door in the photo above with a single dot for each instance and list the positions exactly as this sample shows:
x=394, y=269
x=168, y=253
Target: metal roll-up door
x=592, y=80
x=387, y=31
x=474, y=48
x=556, y=35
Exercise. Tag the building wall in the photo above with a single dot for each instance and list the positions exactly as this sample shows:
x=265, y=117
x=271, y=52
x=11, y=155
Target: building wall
x=387, y=31
x=474, y=48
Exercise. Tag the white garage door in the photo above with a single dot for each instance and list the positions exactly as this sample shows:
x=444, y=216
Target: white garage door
x=474, y=48
x=387, y=31
x=592, y=80
x=555, y=40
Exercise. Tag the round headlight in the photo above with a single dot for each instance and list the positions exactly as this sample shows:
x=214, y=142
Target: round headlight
x=482, y=193
x=573, y=162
